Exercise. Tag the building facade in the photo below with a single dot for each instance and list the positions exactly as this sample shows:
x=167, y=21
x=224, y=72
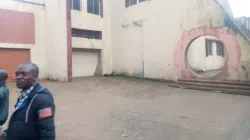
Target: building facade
x=54, y=35
x=141, y=38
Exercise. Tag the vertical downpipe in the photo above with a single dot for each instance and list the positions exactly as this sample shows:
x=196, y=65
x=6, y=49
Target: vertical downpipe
x=143, y=77
x=142, y=52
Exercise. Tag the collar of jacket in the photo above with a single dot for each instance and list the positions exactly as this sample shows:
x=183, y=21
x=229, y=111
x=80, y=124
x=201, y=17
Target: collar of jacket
x=34, y=91
x=37, y=88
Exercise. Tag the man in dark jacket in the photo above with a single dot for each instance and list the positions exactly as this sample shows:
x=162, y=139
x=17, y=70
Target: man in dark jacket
x=4, y=98
x=33, y=118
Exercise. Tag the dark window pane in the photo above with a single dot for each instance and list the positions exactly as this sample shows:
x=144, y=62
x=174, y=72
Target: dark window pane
x=142, y=0
x=90, y=6
x=210, y=48
x=207, y=47
x=132, y=2
x=218, y=49
x=86, y=33
x=76, y=4
x=71, y=4
x=96, y=7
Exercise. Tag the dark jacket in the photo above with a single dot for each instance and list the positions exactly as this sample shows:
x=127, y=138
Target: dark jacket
x=4, y=103
x=26, y=123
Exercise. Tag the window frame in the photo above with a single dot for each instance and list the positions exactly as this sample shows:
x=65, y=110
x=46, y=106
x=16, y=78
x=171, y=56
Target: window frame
x=99, y=8
x=209, y=47
x=90, y=34
x=127, y=2
x=220, y=51
x=72, y=5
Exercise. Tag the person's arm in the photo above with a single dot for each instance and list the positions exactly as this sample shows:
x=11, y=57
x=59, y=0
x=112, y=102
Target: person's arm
x=45, y=116
x=2, y=92
x=3, y=135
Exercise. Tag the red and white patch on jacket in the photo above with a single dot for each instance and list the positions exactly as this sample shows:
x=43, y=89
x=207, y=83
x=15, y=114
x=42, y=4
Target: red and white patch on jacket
x=45, y=113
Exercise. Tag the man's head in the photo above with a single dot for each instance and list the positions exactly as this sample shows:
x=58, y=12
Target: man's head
x=3, y=76
x=26, y=75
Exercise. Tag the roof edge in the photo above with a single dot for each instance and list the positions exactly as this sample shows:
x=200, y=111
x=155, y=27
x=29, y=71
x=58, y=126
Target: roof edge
x=234, y=24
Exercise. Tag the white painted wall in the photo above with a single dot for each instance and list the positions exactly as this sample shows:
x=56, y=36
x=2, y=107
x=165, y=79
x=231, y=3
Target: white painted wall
x=196, y=55
x=244, y=69
x=84, y=20
x=106, y=52
x=85, y=62
x=156, y=40
x=36, y=1
x=85, y=43
x=38, y=50
x=50, y=49
x=56, y=39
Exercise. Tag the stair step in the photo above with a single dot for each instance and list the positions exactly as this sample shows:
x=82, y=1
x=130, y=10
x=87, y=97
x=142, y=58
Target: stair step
x=215, y=85
x=203, y=88
x=215, y=82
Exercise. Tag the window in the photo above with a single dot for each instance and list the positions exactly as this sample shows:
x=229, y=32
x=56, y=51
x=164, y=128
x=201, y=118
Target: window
x=209, y=47
x=132, y=2
x=94, y=7
x=220, y=49
x=76, y=5
x=86, y=33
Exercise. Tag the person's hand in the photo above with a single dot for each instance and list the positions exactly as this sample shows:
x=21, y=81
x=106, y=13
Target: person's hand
x=2, y=136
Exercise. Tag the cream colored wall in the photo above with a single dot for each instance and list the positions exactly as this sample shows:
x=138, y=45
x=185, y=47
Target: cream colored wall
x=85, y=43
x=84, y=20
x=196, y=55
x=36, y=1
x=243, y=72
x=56, y=39
x=139, y=34
x=106, y=52
x=85, y=62
x=38, y=50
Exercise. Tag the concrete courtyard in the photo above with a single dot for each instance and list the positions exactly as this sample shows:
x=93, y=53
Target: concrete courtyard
x=99, y=108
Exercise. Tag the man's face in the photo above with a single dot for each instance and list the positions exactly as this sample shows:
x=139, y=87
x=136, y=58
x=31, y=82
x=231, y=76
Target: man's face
x=25, y=77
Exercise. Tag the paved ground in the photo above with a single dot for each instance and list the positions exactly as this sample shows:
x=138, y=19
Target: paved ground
x=98, y=108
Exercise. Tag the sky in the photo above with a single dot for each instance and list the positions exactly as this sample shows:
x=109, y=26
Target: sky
x=240, y=7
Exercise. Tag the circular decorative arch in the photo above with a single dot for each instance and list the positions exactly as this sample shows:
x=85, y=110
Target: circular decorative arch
x=230, y=43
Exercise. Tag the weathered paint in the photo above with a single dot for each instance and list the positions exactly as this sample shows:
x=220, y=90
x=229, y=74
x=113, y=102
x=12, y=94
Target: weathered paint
x=11, y=59
x=37, y=48
x=231, y=45
x=69, y=40
x=157, y=32
x=196, y=55
x=56, y=41
x=85, y=62
x=17, y=27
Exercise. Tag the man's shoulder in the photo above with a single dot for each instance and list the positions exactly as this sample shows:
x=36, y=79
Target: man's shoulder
x=44, y=98
x=4, y=90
